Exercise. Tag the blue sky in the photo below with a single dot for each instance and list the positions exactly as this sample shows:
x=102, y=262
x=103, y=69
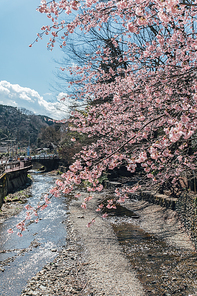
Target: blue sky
x=27, y=75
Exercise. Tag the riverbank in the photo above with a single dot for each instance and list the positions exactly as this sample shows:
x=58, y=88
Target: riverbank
x=94, y=263
x=14, y=203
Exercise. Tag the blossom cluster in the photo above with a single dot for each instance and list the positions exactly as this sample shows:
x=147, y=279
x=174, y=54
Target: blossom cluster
x=142, y=110
x=31, y=214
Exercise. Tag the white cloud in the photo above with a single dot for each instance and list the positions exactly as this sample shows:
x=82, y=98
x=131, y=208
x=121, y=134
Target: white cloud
x=24, y=97
x=4, y=90
x=48, y=94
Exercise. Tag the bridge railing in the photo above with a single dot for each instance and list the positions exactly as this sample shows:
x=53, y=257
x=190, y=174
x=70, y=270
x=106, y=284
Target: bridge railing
x=37, y=157
x=12, y=166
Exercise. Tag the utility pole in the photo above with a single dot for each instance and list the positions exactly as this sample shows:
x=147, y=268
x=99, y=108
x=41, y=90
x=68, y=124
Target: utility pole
x=28, y=149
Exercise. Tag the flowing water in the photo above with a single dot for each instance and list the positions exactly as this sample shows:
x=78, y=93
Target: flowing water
x=22, y=257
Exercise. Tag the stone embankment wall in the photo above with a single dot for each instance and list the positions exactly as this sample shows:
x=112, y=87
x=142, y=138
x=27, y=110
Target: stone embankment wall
x=185, y=206
x=10, y=181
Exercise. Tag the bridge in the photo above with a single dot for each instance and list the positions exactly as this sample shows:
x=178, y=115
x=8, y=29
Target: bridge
x=50, y=162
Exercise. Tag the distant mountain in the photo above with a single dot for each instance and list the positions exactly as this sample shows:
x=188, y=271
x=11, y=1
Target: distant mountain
x=21, y=127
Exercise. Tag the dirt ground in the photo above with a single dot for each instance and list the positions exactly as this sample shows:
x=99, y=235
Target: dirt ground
x=14, y=203
x=162, y=222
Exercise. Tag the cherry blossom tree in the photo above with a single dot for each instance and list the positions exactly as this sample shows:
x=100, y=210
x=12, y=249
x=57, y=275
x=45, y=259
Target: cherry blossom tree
x=81, y=48
x=142, y=101
x=147, y=108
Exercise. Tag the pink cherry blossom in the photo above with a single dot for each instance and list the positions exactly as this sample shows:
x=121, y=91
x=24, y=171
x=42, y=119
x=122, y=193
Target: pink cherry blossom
x=104, y=215
x=10, y=230
x=144, y=78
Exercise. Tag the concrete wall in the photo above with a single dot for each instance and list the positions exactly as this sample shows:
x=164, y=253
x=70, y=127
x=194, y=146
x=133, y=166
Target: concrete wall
x=3, y=188
x=16, y=179
x=11, y=181
x=49, y=163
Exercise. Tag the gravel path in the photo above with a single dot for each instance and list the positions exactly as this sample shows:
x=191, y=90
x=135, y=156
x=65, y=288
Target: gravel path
x=108, y=269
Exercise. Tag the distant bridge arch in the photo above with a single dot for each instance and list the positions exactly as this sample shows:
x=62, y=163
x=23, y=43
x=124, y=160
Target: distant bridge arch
x=50, y=162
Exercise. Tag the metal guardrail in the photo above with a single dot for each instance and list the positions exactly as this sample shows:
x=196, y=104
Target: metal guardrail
x=37, y=157
x=12, y=166
x=20, y=164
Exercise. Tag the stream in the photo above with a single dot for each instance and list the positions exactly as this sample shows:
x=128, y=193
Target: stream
x=163, y=270
x=22, y=257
